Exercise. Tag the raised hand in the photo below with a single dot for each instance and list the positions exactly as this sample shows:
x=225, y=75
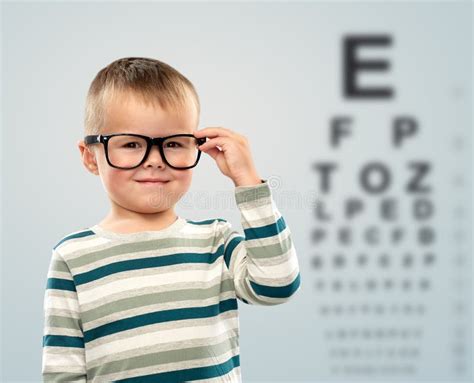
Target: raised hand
x=231, y=151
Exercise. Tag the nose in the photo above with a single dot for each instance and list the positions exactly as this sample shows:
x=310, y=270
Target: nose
x=154, y=158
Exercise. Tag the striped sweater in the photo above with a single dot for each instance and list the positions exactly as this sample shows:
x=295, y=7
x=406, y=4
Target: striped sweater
x=161, y=306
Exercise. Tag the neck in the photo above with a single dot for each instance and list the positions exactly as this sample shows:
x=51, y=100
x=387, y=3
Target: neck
x=123, y=220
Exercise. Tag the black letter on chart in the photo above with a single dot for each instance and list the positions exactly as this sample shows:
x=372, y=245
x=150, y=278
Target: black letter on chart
x=421, y=168
x=352, y=65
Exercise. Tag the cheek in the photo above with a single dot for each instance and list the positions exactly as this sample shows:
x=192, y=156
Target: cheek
x=116, y=180
x=180, y=184
x=184, y=177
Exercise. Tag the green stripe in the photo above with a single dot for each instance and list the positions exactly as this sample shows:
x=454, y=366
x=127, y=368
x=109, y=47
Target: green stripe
x=154, y=298
x=63, y=341
x=205, y=222
x=187, y=374
x=60, y=284
x=158, y=317
x=137, y=247
x=253, y=194
x=277, y=291
x=265, y=231
x=274, y=250
x=145, y=263
x=62, y=322
x=230, y=249
x=58, y=264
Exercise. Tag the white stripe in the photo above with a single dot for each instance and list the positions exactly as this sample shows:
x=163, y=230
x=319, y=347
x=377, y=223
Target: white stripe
x=59, y=274
x=224, y=337
x=260, y=212
x=199, y=230
x=274, y=271
x=60, y=303
x=263, y=209
x=62, y=331
x=63, y=359
x=156, y=289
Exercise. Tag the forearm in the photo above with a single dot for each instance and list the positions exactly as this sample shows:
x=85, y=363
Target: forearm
x=263, y=262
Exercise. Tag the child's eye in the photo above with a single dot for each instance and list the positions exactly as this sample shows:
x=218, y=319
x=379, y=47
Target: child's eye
x=132, y=145
x=172, y=143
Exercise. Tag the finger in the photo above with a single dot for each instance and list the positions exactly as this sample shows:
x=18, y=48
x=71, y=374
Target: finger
x=213, y=142
x=221, y=132
x=214, y=132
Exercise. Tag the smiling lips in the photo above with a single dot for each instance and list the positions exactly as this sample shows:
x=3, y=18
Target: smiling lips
x=152, y=181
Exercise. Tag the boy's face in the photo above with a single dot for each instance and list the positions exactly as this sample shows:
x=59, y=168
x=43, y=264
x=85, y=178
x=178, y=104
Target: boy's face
x=131, y=115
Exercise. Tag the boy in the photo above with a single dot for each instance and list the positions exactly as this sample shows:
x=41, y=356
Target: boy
x=146, y=295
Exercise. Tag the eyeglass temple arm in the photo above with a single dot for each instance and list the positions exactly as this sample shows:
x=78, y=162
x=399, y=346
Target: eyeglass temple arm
x=92, y=139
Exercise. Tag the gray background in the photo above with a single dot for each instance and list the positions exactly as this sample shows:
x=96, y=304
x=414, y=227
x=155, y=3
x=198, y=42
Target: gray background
x=271, y=71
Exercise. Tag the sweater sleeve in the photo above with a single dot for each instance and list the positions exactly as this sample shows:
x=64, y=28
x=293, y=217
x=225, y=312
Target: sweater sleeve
x=263, y=262
x=63, y=341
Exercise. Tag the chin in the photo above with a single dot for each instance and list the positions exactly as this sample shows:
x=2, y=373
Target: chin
x=149, y=209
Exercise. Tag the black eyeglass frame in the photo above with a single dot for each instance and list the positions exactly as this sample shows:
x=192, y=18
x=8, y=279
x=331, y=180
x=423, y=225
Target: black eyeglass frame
x=158, y=141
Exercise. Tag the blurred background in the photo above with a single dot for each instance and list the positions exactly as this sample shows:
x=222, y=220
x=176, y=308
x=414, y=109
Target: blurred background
x=359, y=115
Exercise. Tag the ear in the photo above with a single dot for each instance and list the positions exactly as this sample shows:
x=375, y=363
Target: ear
x=88, y=157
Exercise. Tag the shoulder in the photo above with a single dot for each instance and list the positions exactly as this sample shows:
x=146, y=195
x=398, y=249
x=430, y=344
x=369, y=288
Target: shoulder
x=68, y=241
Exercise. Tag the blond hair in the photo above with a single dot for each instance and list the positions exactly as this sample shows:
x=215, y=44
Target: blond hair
x=153, y=81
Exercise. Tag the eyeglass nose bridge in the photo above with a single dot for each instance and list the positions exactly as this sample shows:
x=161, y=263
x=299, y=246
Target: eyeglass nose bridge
x=158, y=141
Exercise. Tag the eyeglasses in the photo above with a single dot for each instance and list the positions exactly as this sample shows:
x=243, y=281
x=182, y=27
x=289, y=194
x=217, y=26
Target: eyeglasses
x=128, y=151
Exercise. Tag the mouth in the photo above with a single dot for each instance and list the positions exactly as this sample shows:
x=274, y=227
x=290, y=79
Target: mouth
x=152, y=183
